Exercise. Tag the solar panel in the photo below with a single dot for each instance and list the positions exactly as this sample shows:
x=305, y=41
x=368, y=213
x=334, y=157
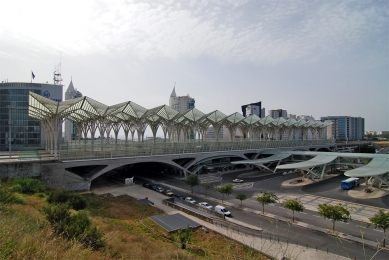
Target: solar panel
x=174, y=222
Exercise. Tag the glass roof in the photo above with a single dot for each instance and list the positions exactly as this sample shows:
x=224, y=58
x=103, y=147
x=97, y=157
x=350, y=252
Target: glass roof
x=85, y=109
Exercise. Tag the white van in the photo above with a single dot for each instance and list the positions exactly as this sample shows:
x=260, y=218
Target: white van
x=222, y=210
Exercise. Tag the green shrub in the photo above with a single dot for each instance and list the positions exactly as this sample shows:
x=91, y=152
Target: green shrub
x=93, y=238
x=76, y=226
x=16, y=188
x=40, y=195
x=76, y=201
x=58, y=215
x=8, y=197
x=29, y=185
x=58, y=196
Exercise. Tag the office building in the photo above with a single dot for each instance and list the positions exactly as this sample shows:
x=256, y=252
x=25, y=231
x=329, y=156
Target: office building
x=276, y=113
x=253, y=109
x=24, y=132
x=70, y=128
x=348, y=128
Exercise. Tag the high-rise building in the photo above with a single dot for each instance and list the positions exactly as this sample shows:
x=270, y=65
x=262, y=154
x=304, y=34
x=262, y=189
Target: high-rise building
x=24, y=132
x=181, y=103
x=348, y=128
x=253, y=109
x=71, y=132
x=276, y=113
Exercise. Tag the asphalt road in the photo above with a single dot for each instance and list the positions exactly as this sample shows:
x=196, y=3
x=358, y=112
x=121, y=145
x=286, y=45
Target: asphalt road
x=281, y=230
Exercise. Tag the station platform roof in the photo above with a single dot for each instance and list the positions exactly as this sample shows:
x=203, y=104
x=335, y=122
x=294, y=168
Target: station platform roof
x=316, y=161
x=272, y=158
x=379, y=164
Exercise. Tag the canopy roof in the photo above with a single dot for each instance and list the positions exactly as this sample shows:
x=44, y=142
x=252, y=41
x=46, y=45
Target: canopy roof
x=377, y=166
x=316, y=161
x=272, y=158
x=85, y=109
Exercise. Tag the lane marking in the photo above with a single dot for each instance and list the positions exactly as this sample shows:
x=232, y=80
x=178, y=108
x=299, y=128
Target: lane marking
x=378, y=230
x=316, y=216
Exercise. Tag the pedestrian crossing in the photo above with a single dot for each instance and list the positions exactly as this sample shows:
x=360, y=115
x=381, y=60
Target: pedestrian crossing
x=241, y=186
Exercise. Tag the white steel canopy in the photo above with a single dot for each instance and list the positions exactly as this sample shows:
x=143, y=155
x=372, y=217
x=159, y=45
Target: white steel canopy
x=92, y=117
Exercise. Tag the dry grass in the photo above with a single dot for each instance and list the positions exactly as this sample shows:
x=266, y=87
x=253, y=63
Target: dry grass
x=382, y=144
x=25, y=234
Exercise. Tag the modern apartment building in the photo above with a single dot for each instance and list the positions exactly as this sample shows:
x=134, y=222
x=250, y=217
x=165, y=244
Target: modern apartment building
x=348, y=128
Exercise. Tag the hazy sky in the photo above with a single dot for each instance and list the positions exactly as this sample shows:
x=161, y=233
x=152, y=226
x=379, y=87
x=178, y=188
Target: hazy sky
x=316, y=58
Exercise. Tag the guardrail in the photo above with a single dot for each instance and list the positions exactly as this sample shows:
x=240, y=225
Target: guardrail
x=95, y=150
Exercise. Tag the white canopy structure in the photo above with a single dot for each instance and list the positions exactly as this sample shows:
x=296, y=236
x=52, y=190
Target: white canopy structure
x=260, y=162
x=91, y=116
x=319, y=160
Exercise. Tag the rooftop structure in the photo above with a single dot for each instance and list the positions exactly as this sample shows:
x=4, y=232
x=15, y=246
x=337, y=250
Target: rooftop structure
x=92, y=116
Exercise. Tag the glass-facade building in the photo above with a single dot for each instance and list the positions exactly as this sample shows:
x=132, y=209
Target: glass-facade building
x=348, y=128
x=26, y=132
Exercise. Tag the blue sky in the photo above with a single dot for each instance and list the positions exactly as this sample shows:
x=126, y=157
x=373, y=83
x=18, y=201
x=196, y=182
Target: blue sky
x=316, y=58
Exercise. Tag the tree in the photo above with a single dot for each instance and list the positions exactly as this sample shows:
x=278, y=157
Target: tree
x=225, y=189
x=334, y=213
x=266, y=198
x=184, y=236
x=293, y=205
x=192, y=180
x=241, y=197
x=206, y=187
x=381, y=220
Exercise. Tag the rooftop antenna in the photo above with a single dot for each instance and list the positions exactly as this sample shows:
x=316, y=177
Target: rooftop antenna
x=57, y=73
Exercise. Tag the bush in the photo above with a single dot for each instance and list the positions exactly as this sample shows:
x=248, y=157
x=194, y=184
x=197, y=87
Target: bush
x=8, y=197
x=58, y=196
x=29, y=185
x=58, y=215
x=76, y=201
x=77, y=226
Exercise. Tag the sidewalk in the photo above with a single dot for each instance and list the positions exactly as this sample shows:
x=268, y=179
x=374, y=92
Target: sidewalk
x=272, y=248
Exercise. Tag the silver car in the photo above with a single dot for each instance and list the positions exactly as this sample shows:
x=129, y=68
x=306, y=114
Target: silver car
x=205, y=205
x=190, y=200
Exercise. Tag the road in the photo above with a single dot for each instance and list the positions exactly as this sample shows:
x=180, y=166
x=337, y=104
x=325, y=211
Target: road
x=282, y=230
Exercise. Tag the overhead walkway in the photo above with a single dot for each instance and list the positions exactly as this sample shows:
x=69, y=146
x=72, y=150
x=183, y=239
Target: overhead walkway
x=320, y=160
x=260, y=162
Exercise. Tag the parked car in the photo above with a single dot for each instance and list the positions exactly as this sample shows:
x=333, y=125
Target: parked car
x=179, y=196
x=146, y=185
x=237, y=181
x=205, y=205
x=190, y=200
x=154, y=187
x=168, y=193
x=222, y=210
x=159, y=189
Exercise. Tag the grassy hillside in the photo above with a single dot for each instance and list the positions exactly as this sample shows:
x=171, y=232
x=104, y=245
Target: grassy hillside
x=26, y=234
